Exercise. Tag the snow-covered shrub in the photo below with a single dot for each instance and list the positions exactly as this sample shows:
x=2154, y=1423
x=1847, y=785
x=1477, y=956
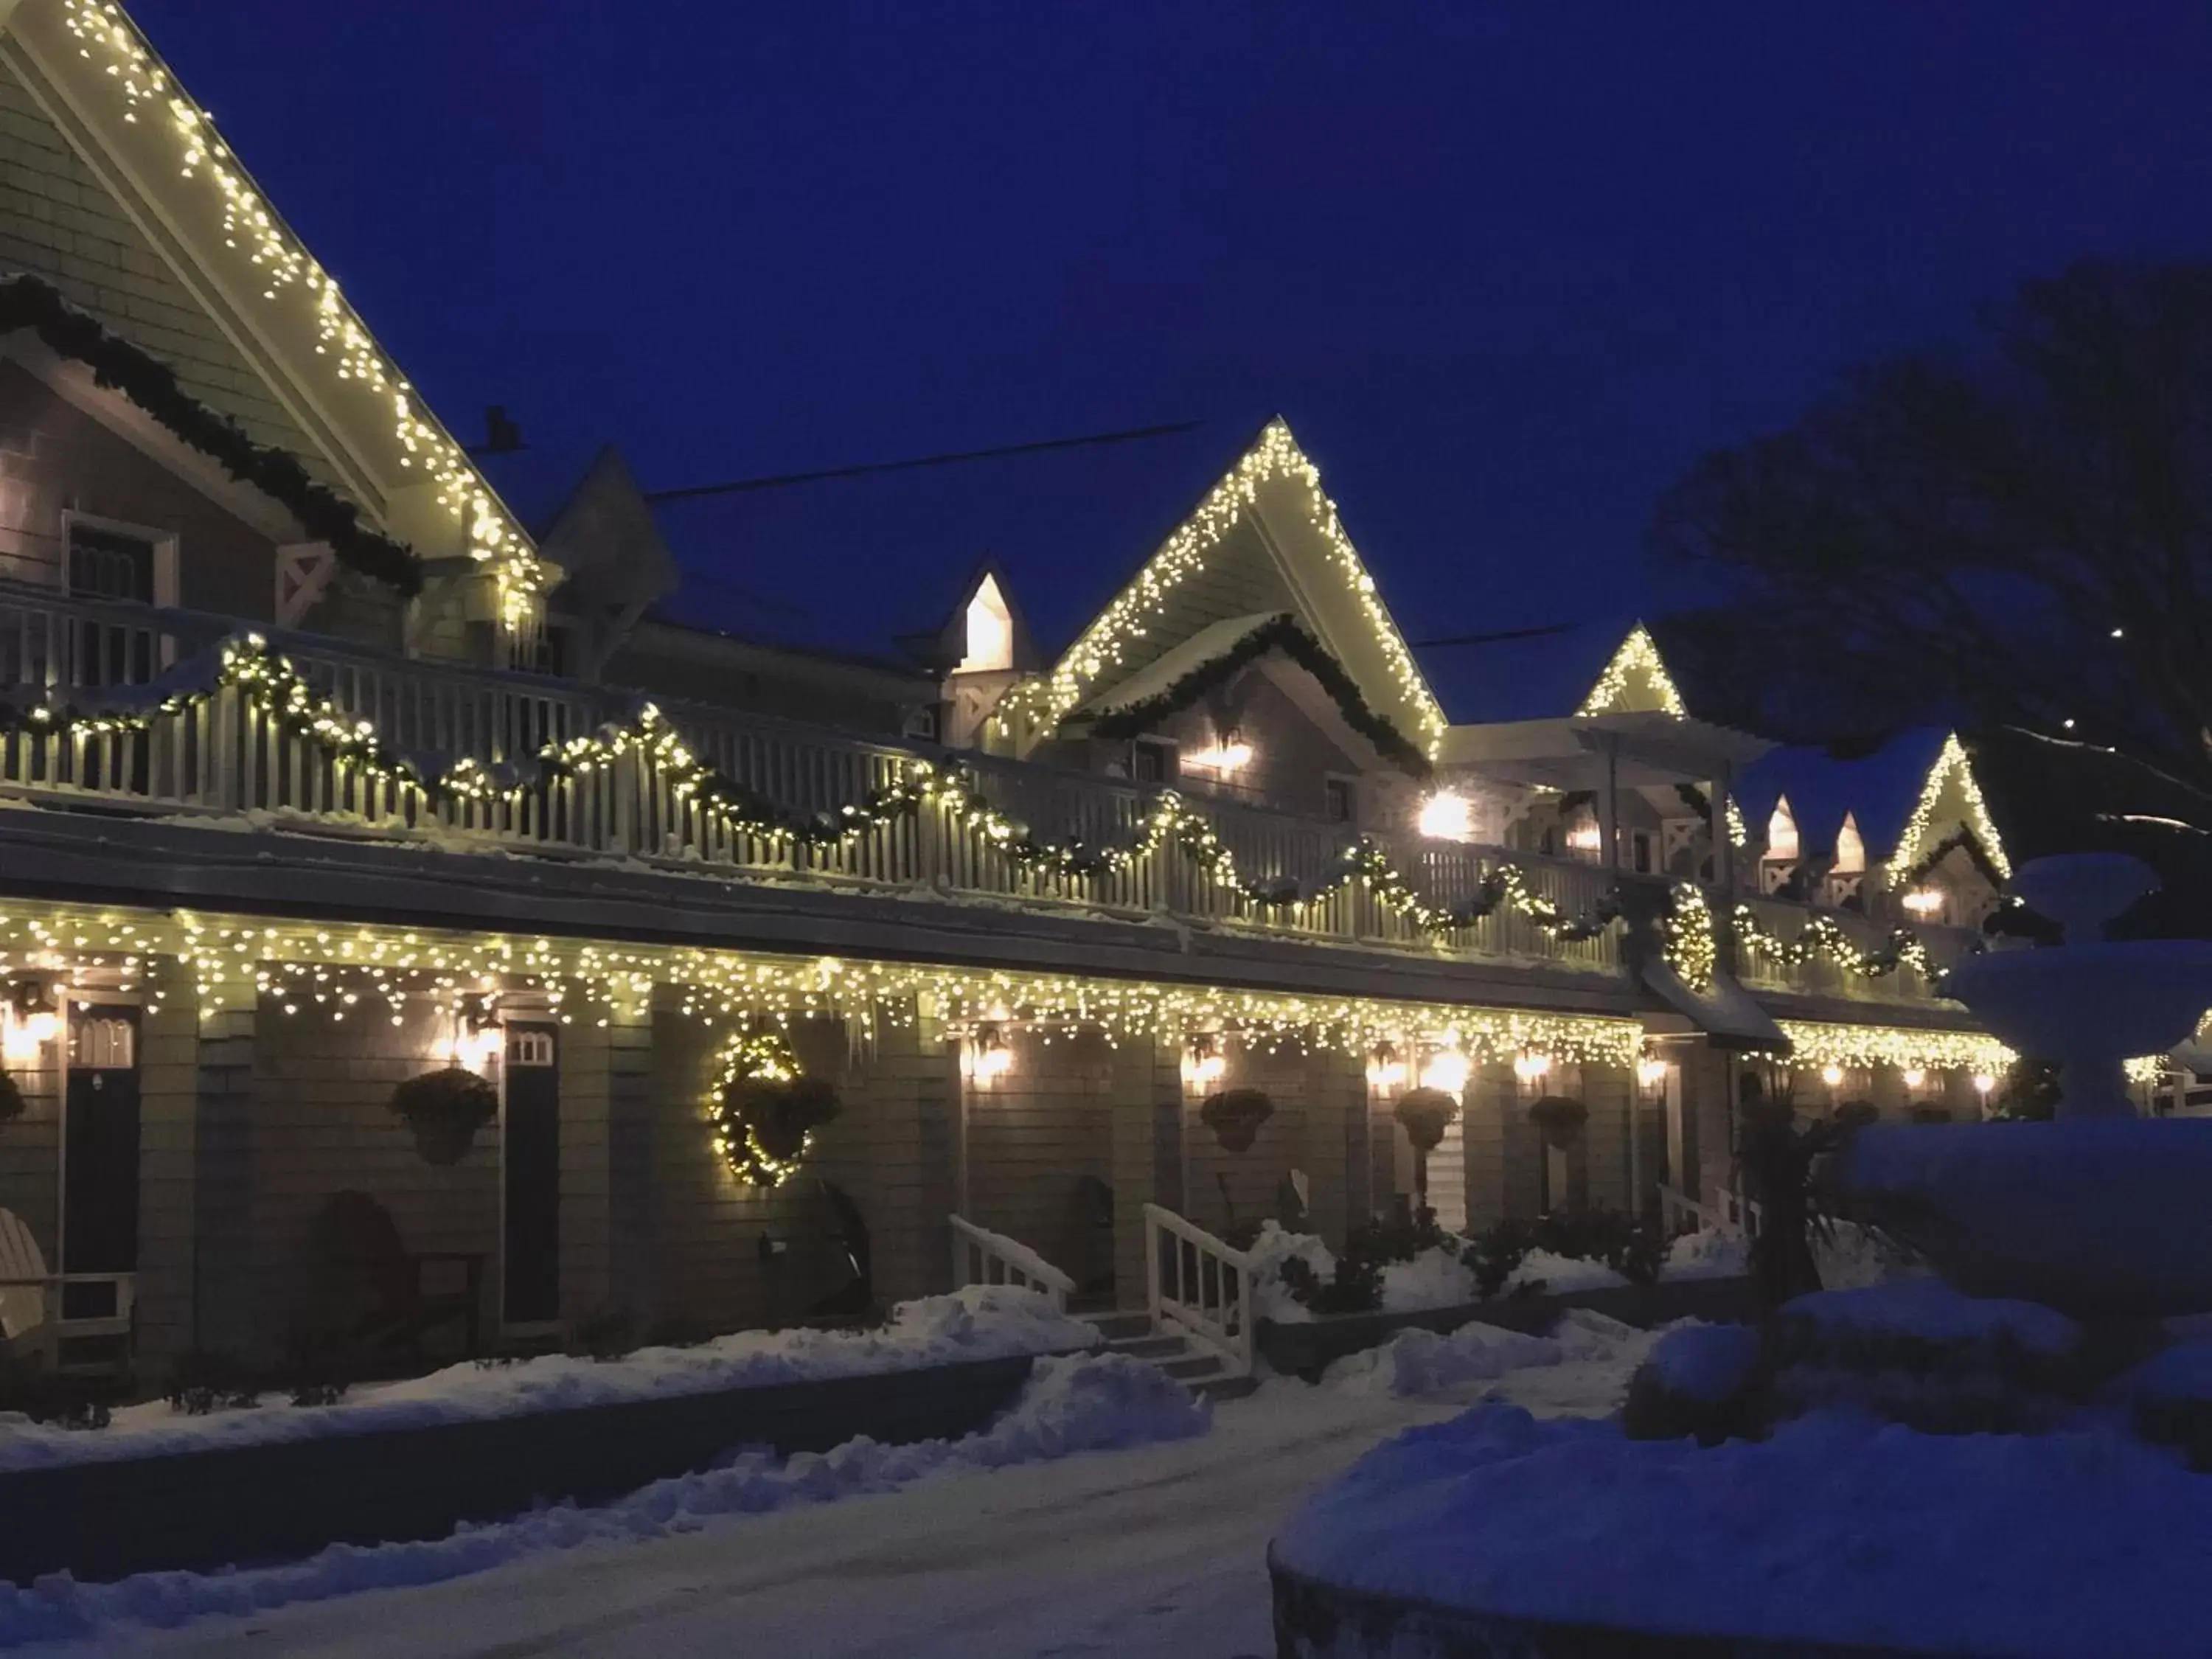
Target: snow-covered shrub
x=1416, y=1362
x=2169, y=1399
x=1921, y=1353
x=1621, y=1243
x=1354, y=1284
x=1701, y=1381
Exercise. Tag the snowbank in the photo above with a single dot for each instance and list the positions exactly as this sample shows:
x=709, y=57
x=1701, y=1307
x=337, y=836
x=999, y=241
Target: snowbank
x=1836, y=1530
x=1073, y=1404
x=1707, y=1363
x=1422, y=1362
x=1270, y=1298
x=1707, y=1255
x=1929, y=1310
x=1561, y=1275
x=993, y=1321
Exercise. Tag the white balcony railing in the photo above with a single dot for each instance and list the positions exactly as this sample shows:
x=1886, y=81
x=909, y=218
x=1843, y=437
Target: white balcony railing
x=222, y=756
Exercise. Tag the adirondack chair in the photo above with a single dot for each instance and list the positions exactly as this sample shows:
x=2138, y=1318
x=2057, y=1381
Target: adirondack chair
x=367, y=1297
x=31, y=1317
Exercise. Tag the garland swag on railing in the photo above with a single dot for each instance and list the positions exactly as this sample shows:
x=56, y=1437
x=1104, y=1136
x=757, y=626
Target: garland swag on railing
x=26, y=302
x=277, y=689
x=1823, y=936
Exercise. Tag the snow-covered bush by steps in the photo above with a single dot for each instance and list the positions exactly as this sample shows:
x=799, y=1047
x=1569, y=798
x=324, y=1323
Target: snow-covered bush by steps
x=1698, y=1381
x=1418, y=1361
x=1076, y=1403
x=983, y=1322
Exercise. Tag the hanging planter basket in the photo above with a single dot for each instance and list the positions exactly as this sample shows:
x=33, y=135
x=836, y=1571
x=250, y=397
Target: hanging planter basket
x=1234, y=1117
x=1559, y=1119
x=765, y=1113
x=1424, y=1114
x=444, y=1109
x=1857, y=1114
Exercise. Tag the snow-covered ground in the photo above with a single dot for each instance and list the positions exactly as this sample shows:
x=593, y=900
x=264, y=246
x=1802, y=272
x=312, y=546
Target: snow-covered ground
x=983, y=1322
x=1157, y=1550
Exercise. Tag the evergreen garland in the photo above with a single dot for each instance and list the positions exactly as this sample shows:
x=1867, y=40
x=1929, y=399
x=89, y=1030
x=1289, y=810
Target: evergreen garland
x=765, y=1110
x=1277, y=634
x=26, y=302
x=1960, y=837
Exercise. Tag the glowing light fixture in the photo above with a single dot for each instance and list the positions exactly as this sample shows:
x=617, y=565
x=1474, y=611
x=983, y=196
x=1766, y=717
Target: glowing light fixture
x=1230, y=753
x=1585, y=838
x=33, y=1021
x=987, y=1056
x=1851, y=848
x=1384, y=1069
x=1983, y=1083
x=1446, y=1069
x=1650, y=1070
x=1447, y=815
x=1923, y=902
x=1915, y=1076
x=1831, y=1075
x=475, y=1039
x=1529, y=1068
x=1204, y=1065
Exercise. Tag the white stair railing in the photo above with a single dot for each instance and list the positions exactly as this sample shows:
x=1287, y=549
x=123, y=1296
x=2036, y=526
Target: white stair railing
x=1739, y=1214
x=1200, y=1287
x=980, y=1256
x=1680, y=1214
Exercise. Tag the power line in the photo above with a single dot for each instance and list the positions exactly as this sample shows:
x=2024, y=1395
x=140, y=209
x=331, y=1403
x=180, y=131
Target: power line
x=1502, y=634
x=778, y=480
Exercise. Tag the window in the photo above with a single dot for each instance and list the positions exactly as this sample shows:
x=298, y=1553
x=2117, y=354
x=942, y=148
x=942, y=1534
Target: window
x=1340, y=799
x=921, y=724
x=110, y=561
x=990, y=630
x=1641, y=843
x=1152, y=762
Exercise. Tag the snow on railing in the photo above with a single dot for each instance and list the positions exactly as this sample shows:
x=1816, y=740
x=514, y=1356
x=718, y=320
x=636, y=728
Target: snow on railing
x=980, y=1256
x=1680, y=1214
x=1201, y=1287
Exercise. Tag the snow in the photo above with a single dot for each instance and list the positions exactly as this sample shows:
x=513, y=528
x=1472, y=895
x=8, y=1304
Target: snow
x=1837, y=1529
x=1152, y=1552
x=2180, y=1375
x=1417, y=1361
x=1705, y=1363
x=1071, y=1404
x=1018, y=1256
x=1439, y=1278
x=993, y=1321
x=1929, y=1310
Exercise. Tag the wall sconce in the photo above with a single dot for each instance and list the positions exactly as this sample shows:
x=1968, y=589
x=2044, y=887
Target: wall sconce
x=1230, y=753
x=1446, y=1069
x=476, y=1039
x=1204, y=1065
x=1922, y=901
x=1832, y=1076
x=1915, y=1076
x=1384, y=1069
x=1531, y=1068
x=1983, y=1083
x=1650, y=1070
x=987, y=1056
x=1447, y=815
x=33, y=1021
x=1585, y=838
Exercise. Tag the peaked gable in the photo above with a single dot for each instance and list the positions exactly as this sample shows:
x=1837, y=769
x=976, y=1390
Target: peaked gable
x=1266, y=538
x=1950, y=807
x=1636, y=681
x=137, y=211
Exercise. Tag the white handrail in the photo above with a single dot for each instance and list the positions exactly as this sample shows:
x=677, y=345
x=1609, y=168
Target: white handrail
x=1739, y=1214
x=980, y=1256
x=1680, y=1212
x=1200, y=1286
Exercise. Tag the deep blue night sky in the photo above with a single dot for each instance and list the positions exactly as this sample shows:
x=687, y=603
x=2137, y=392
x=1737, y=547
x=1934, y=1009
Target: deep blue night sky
x=1507, y=270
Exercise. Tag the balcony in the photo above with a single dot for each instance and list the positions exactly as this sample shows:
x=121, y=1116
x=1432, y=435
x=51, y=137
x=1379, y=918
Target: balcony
x=221, y=752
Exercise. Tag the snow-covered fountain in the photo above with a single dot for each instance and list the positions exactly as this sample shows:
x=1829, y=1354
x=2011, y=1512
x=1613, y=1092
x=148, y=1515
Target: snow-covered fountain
x=2013, y=1460
x=2099, y=1212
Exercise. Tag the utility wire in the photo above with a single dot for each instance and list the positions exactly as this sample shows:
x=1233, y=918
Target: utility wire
x=778, y=480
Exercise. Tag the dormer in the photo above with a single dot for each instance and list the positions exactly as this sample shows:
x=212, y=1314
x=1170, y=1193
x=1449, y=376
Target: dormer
x=1779, y=859
x=984, y=648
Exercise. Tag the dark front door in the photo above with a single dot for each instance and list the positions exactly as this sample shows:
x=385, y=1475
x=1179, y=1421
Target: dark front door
x=100, y=1155
x=532, y=1144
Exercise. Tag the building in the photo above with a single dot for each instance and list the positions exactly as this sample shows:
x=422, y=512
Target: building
x=337, y=757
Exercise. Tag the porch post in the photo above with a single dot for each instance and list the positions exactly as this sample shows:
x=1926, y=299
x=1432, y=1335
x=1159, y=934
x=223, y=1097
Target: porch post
x=1724, y=847
x=1608, y=805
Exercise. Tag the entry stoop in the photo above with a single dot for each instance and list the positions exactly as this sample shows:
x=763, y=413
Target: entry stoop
x=1200, y=1371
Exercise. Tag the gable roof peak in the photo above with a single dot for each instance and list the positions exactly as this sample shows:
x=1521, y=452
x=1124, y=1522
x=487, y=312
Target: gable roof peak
x=1636, y=659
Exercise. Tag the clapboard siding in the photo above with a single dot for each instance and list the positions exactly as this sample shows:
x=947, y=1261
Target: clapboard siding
x=1033, y=1135
x=58, y=222
x=168, y=1163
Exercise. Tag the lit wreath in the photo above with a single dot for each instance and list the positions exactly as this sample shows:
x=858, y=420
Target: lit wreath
x=765, y=1110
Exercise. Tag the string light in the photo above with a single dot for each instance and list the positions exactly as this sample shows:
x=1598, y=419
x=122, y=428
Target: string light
x=1637, y=658
x=1952, y=765
x=1689, y=945
x=1823, y=936
x=763, y=1056
x=278, y=263
x=1864, y=1047
x=1114, y=638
